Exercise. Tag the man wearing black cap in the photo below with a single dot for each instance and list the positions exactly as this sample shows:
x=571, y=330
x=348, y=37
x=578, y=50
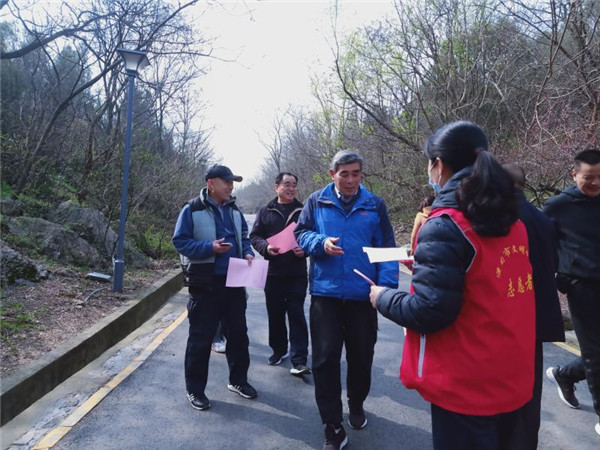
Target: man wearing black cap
x=211, y=229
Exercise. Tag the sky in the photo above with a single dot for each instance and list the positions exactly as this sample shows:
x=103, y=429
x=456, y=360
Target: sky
x=277, y=46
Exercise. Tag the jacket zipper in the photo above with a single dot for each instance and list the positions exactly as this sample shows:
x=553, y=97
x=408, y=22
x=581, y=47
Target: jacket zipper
x=423, y=340
x=287, y=221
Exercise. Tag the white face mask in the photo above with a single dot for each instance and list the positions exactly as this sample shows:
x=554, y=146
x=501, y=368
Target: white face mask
x=435, y=186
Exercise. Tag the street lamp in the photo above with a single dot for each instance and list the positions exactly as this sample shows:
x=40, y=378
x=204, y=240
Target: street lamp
x=135, y=61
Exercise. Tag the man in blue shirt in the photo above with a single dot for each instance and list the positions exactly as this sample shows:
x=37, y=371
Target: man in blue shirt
x=334, y=226
x=211, y=229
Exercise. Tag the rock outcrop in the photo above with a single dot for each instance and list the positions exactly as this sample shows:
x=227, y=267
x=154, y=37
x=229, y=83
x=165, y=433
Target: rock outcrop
x=16, y=267
x=54, y=241
x=91, y=225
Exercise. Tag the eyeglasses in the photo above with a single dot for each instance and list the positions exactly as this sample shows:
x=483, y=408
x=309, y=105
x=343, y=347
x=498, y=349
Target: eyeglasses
x=288, y=185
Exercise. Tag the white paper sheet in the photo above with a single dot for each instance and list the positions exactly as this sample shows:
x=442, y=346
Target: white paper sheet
x=385, y=254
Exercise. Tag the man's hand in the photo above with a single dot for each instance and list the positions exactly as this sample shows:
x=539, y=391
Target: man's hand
x=330, y=248
x=375, y=290
x=249, y=258
x=273, y=251
x=220, y=247
x=298, y=252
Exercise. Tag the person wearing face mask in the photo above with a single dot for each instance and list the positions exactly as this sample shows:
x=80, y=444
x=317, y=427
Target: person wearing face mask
x=211, y=229
x=470, y=312
x=576, y=213
x=334, y=226
x=285, y=290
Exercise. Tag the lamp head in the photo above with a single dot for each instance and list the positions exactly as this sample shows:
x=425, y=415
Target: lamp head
x=135, y=60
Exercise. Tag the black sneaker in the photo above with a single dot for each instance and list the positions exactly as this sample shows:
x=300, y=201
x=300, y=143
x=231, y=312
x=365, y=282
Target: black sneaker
x=566, y=389
x=299, y=370
x=335, y=437
x=276, y=358
x=356, y=418
x=244, y=390
x=198, y=401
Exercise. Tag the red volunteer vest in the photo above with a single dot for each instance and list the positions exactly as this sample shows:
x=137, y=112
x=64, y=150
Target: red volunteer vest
x=483, y=363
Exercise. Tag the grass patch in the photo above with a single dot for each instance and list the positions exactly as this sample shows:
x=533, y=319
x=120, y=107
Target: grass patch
x=14, y=319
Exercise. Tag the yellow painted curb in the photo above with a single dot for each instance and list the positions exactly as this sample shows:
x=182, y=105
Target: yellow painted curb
x=56, y=434
x=568, y=348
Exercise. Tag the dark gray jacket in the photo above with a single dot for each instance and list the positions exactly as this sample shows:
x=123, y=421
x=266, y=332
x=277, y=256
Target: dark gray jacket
x=577, y=218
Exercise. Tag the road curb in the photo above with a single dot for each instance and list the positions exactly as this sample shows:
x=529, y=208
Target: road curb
x=29, y=384
x=571, y=339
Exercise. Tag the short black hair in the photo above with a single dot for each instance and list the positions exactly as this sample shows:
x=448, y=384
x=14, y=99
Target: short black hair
x=279, y=177
x=589, y=156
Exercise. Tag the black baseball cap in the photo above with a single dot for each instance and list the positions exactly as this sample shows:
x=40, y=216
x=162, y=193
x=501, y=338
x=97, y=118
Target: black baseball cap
x=223, y=172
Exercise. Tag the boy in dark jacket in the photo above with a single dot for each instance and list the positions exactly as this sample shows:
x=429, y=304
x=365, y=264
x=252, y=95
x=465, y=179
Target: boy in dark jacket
x=576, y=212
x=285, y=290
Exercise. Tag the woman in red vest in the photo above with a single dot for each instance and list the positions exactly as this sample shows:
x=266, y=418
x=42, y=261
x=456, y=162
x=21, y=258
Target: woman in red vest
x=470, y=312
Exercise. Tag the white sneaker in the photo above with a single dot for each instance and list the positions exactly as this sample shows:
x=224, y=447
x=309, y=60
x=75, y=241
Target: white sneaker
x=597, y=428
x=218, y=347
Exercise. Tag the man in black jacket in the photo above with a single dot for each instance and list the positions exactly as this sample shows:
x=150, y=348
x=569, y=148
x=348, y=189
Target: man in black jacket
x=285, y=290
x=576, y=212
x=543, y=256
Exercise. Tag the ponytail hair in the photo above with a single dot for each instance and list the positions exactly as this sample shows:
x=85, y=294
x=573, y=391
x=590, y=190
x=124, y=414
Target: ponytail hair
x=487, y=197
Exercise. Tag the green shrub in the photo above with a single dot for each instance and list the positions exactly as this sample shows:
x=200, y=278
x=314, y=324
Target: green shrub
x=5, y=190
x=33, y=206
x=156, y=243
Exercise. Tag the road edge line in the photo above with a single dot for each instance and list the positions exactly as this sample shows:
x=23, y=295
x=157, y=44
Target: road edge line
x=51, y=438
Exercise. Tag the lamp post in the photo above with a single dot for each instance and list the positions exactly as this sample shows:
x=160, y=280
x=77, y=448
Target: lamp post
x=134, y=61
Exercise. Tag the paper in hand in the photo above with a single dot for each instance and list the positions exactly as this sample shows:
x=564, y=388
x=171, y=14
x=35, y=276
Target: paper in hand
x=242, y=274
x=284, y=240
x=385, y=254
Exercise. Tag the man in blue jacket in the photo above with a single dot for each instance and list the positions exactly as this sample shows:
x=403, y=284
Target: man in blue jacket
x=334, y=226
x=576, y=212
x=211, y=229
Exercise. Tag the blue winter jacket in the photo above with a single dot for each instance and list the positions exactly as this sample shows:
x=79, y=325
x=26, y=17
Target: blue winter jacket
x=366, y=225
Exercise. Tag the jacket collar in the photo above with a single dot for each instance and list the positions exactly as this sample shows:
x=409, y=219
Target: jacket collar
x=207, y=203
x=295, y=202
x=447, y=196
x=328, y=195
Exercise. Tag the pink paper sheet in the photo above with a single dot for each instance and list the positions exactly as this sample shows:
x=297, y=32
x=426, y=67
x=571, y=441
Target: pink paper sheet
x=242, y=274
x=284, y=240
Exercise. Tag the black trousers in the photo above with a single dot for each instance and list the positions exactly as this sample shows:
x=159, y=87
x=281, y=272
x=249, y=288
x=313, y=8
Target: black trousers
x=584, y=303
x=286, y=295
x=334, y=323
x=454, y=431
x=206, y=307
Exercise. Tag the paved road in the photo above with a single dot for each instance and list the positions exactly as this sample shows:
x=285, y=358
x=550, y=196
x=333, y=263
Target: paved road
x=149, y=409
